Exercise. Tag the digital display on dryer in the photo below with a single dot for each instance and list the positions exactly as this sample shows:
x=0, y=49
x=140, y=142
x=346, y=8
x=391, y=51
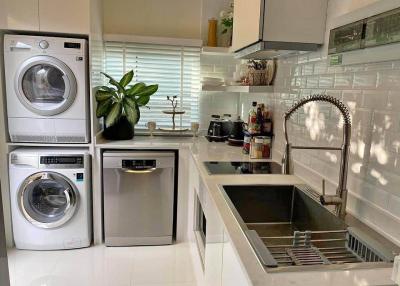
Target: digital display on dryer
x=70, y=45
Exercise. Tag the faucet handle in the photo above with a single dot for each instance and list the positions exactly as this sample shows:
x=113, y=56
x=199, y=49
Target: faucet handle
x=323, y=187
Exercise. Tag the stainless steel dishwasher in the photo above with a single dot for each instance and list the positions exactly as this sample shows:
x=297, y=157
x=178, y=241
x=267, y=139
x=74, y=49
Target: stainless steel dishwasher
x=138, y=197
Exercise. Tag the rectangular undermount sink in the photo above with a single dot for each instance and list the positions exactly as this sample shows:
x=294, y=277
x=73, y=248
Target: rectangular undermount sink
x=288, y=227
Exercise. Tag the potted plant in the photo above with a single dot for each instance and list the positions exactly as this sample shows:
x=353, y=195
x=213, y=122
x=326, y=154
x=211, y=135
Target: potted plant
x=119, y=105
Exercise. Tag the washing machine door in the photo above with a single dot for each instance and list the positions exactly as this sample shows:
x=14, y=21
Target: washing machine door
x=45, y=85
x=48, y=199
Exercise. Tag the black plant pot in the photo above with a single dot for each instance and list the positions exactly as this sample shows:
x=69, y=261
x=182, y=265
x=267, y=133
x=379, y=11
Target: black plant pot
x=122, y=130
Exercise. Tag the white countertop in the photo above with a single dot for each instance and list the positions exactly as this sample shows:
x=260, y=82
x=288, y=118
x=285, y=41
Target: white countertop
x=147, y=142
x=202, y=150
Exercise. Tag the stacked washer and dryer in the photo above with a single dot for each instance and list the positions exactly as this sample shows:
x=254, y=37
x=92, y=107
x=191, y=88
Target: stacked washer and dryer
x=47, y=102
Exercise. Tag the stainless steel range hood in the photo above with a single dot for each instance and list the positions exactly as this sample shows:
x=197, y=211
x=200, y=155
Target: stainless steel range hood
x=272, y=28
x=270, y=50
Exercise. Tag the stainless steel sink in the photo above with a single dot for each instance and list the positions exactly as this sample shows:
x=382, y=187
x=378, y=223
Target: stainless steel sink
x=288, y=227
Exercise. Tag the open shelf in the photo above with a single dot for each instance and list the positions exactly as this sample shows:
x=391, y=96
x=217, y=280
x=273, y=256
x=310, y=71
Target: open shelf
x=239, y=88
x=221, y=51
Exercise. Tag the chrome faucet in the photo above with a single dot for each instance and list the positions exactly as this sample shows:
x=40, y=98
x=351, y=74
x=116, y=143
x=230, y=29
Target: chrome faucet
x=340, y=199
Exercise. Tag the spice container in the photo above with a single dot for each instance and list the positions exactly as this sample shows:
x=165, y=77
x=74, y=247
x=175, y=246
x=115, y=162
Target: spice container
x=246, y=143
x=266, y=148
x=260, y=147
x=256, y=147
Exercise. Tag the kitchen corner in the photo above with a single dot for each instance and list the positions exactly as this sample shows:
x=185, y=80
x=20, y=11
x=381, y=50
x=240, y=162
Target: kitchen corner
x=210, y=189
x=200, y=142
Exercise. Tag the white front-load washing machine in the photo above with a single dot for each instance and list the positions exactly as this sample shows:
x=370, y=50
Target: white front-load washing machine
x=50, y=194
x=47, y=89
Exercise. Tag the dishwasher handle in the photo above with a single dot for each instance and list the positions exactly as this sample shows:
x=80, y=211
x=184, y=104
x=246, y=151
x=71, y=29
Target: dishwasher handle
x=138, y=171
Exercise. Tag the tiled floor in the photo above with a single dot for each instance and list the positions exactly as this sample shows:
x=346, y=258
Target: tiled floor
x=103, y=266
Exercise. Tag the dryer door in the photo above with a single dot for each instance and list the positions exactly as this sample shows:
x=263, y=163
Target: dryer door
x=48, y=199
x=45, y=85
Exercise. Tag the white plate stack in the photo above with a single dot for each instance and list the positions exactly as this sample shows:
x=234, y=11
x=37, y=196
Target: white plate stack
x=212, y=81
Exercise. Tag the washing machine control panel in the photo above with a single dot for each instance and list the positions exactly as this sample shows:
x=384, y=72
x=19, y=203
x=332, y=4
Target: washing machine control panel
x=62, y=161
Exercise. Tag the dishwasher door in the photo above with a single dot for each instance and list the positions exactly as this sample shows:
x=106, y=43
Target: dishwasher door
x=138, y=197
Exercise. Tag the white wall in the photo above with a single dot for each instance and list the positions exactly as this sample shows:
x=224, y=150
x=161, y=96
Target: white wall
x=155, y=18
x=372, y=93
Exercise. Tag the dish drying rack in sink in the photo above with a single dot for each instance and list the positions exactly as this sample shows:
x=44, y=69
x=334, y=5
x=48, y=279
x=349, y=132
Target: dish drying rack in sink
x=307, y=248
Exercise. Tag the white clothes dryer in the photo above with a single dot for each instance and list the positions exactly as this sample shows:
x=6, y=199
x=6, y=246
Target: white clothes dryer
x=47, y=89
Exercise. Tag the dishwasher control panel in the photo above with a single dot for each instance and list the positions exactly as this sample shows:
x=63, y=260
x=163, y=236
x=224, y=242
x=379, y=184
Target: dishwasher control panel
x=139, y=164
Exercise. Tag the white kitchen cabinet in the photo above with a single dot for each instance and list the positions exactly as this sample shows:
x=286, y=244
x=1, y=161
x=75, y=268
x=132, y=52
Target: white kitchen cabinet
x=60, y=16
x=208, y=251
x=221, y=265
x=233, y=272
x=57, y=16
x=246, y=19
x=19, y=15
x=214, y=242
x=283, y=25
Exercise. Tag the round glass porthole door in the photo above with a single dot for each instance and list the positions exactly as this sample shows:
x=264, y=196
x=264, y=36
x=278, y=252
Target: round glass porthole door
x=48, y=199
x=46, y=85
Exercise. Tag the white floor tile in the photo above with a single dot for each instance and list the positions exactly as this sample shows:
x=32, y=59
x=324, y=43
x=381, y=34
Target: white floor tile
x=103, y=266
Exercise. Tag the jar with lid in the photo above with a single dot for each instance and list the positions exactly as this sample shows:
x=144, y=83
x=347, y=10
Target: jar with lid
x=256, y=147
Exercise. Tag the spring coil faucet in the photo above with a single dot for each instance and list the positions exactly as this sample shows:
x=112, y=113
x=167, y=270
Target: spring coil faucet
x=340, y=199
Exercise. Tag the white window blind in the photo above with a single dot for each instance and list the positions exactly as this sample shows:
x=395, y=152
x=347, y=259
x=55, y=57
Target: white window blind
x=176, y=69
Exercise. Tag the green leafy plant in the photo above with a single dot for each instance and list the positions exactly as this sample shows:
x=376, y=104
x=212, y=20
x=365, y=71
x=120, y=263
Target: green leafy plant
x=227, y=23
x=122, y=99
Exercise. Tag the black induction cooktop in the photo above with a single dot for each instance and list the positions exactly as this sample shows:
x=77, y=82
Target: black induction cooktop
x=240, y=168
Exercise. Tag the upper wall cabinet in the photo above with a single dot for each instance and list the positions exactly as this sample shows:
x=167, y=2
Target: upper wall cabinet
x=246, y=19
x=267, y=28
x=57, y=16
x=19, y=15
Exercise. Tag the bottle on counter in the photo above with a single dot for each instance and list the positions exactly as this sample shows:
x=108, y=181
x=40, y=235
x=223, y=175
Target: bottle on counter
x=260, y=118
x=267, y=126
x=252, y=119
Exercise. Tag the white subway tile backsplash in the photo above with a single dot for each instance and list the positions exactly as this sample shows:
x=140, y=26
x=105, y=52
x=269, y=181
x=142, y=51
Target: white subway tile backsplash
x=302, y=59
x=344, y=81
x=372, y=94
x=326, y=81
x=386, y=121
x=295, y=71
x=207, y=68
x=311, y=82
x=308, y=69
x=379, y=66
x=320, y=68
x=354, y=68
x=374, y=99
x=365, y=80
x=396, y=64
x=389, y=79
x=393, y=101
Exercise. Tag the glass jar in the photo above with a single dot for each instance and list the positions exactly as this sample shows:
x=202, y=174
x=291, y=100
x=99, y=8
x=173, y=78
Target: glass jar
x=256, y=147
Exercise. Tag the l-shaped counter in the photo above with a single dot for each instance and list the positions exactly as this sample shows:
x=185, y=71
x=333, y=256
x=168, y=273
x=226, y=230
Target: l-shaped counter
x=229, y=258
